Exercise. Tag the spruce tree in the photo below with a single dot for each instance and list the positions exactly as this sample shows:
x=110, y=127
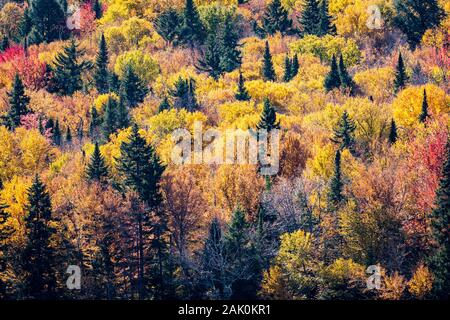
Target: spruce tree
x=164, y=105
x=310, y=18
x=97, y=9
x=6, y=231
x=242, y=93
x=268, y=120
x=346, y=80
x=287, y=76
x=56, y=134
x=192, y=30
x=344, y=132
x=414, y=17
x=68, y=136
x=294, y=66
x=101, y=74
x=424, y=115
x=95, y=122
x=25, y=24
x=133, y=89
x=333, y=79
x=38, y=254
x=184, y=94
x=110, y=118
x=325, y=26
x=268, y=71
x=336, y=185
x=97, y=169
x=168, y=25
x=439, y=260
x=18, y=103
x=393, y=133
x=5, y=44
x=48, y=21
x=213, y=257
x=276, y=19
x=210, y=60
x=236, y=238
x=400, y=75
x=228, y=38
x=123, y=117
x=68, y=69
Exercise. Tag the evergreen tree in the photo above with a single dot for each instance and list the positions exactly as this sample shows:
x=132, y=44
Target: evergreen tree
x=439, y=260
x=236, y=239
x=168, y=25
x=101, y=74
x=333, y=79
x=25, y=24
x=97, y=169
x=294, y=66
x=242, y=93
x=6, y=231
x=5, y=44
x=210, y=60
x=276, y=19
x=268, y=71
x=344, y=131
x=95, y=122
x=287, y=69
x=325, y=26
x=114, y=83
x=133, y=89
x=48, y=21
x=38, y=253
x=110, y=118
x=18, y=103
x=56, y=134
x=97, y=8
x=424, y=115
x=164, y=105
x=192, y=30
x=68, y=69
x=336, y=185
x=414, y=17
x=68, y=136
x=346, y=80
x=393, y=132
x=310, y=18
x=184, y=94
x=228, y=38
x=400, y=75
x=268, y=120
x=123, y=117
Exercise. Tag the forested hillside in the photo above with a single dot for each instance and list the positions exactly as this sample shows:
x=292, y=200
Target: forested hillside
x=355, y=95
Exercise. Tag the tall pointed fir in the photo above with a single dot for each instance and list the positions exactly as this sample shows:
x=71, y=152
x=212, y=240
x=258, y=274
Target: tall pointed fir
x=184, y=94
x=310, y=18
x=56, y=134
x=4, y=44
x=48, y=21
x=287, y=76
x=335, y=195
x=164, y=105
x=18, y=103
x=326, y=25
x=242, y=93
x=210, y=60
x=168, y=24
x=192, y=30
x=94, y=123
x=38, y=252
x=268, y=120
x=67, y=70
x=393, y=136
x=6, y=232
x=68, y=137
x=123, y=117
x=268, y=71
x=110, y=118
x=344, y=132
x=346, y=80
x=439, y=260
x=401, y=77
x=97, y=9
x=294, y=66
x=133, y=89
x=213, y=258
x=424, y=114
x=333, y=79
x=97, y=169
x=101, y=74
x=228, y=38
x=276, y=19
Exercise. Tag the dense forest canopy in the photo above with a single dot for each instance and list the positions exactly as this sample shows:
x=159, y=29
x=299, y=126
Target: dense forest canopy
x=356, y=93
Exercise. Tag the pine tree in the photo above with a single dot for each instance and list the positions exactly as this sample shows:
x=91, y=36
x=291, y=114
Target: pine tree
x=326, y=26
x=123, y=117
x=97, y=169
x=276, y=19
x=268, y=71
x=6, y=231
x=168, y=25
x=424, y=115
x=95, y=122
x=184, y=94
x=101, y=74
x=287, y=69
x=414, y=17
x=110, y=118
x=114, y=83
x=68, y=69
x=393, y=133
x=68, y=136
x=5, y=44
x=97, y=9
x=25, y=24
x=38, y=255
x=344, y=131
x=336, y=185
x=439, y=260
x=400, y=75
x=133, y=90
x=228, y=38
x=242, y=93
x=294, y=66
x=268, y=120
x=333, y=79
x=210, y=60
x=48, y=21
x=236, y=239
x=56, y=134
x=346, y=80
x=192, y=30
x=164, y=105
x=310, y=18
x=80, y=130
x=18, y=102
